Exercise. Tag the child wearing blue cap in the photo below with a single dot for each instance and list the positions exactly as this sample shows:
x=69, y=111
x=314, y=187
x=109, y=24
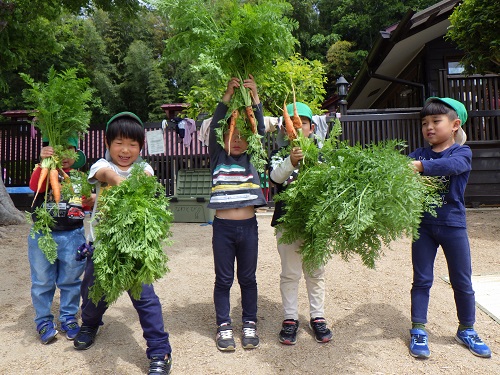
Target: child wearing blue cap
x=283, y=170
x=442, y=120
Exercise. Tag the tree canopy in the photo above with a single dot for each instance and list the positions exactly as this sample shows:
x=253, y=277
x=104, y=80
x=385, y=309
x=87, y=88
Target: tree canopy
x=474, y=28
x=134, y=52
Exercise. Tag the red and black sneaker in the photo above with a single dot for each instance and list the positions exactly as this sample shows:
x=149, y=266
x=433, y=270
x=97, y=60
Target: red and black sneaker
x=288, y=333
x=321, y=332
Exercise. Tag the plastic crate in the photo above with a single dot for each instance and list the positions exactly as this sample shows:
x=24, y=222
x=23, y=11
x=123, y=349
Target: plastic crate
x=189, y=204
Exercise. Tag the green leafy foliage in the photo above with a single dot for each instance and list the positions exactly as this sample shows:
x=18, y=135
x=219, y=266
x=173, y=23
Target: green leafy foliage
x=229, y=38
x=43, y=226
x=60, y=105
x=308, y=77
x=354, y=201
x=133, y=224
x=474, y=28
x=77, y=185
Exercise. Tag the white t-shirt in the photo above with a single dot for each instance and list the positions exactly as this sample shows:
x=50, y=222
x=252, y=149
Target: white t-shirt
x=103, y=163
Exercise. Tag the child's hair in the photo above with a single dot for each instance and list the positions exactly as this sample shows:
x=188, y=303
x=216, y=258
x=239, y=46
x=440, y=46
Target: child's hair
x=125, y=126
x=434, y=106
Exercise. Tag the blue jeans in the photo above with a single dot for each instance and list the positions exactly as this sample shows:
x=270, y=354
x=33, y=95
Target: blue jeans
x=148, y=308
x=65, y=274
x=235, y=239
x=456, y=249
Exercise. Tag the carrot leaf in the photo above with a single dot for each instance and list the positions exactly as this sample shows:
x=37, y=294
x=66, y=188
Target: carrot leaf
x=133, y=224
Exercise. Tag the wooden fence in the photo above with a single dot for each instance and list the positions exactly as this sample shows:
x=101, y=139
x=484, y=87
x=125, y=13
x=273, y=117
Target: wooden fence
x=20, y=148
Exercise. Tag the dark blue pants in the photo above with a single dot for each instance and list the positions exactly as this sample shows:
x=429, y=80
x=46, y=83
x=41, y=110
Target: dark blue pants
x=235, y=239
x=148, y=308
x=456, y=249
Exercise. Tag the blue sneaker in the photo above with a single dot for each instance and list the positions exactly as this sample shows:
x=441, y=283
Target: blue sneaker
x=470, y=339
x=47, y=331
x=418, y=344
x=71, y=328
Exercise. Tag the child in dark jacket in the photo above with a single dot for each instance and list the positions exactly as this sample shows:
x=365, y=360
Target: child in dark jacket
x=447, y=157
x=235, y=193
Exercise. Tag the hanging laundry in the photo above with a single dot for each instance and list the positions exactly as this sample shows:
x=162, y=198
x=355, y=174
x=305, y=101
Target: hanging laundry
x=189, y=129
x=180, y=126
x=204, y=132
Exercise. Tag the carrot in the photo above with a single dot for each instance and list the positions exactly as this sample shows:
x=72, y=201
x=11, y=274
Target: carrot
x=290, y=130
x=65, y=175
x=232, y=126
x=54, y=183
x=43, y=175
x=297, y=123
x=251, y=119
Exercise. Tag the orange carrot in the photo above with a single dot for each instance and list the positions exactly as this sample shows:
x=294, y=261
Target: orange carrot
x=251, y=119
x=232, y=126
x=43, y=175
x=290, y=130
x=65, y=175
x=54, y=183
x=297, y=123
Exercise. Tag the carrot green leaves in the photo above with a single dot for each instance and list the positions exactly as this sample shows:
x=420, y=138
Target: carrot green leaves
x=133, y=224
x=355, y=201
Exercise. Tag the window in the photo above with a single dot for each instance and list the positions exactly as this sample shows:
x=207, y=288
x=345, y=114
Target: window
x=455, y=67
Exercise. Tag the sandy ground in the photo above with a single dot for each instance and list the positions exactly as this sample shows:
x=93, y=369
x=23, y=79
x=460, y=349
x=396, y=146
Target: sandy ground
x=368, y=309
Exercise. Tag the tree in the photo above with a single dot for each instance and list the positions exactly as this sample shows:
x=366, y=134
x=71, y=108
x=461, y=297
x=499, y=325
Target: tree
x=343, y=61
x=9, y=214
x=474, y=28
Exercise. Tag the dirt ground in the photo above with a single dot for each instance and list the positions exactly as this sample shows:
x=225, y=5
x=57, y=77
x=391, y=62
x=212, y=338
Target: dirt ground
x=368, y=310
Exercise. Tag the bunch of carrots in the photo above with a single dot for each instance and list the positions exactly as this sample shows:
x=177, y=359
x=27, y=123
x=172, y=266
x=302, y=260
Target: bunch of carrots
x=235, y=114
x=49, y=175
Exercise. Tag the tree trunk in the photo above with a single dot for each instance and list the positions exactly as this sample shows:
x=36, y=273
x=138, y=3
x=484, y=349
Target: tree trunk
x=9, y=214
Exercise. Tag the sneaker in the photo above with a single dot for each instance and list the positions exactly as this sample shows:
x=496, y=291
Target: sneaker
x=249, y=339
x=160, y=365
x=288, y=333
x=418, y=343
x=224, y=338
x=85, y=337
x=470, y=338
x=321, y=332
x=47, y=331
x=71, y=328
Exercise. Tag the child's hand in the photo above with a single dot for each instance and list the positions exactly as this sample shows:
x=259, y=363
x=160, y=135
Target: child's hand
x=296, y=156
x=46, y=152
x=249, y=83
x=88, y=201
x=231, y=85
x=417, y=165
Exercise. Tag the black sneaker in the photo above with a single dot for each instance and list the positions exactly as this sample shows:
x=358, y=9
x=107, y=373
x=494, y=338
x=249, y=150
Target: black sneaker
x=160, y=365
x=86, y=337
x=249, y=339
x=224, y=338
x=321, y=332
x=288, y=333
